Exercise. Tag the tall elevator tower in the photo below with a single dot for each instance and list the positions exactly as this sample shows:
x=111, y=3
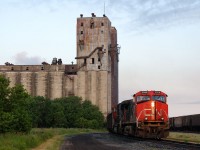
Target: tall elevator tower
x=97, y=61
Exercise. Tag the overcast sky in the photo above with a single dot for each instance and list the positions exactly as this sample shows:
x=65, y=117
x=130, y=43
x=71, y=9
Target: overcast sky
x=159, y=39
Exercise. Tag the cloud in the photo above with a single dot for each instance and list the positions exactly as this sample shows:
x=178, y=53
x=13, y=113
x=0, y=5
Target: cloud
x=22, y=58
x=135, y=14
x=155, y=14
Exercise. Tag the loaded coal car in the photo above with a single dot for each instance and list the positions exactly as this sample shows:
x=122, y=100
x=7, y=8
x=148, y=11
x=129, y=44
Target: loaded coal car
x=146, y=115
x=185, y=123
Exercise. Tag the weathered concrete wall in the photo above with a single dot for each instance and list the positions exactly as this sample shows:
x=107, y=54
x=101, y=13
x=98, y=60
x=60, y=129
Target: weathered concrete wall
x=50, y=81
x=96, y=86
x=56, y=84
x=48, y=84
x=12, y=76
x=26, y=81
x=93, y=87
x=70, y=85
x=74, y=86
x=41, y=82
x=81, y=84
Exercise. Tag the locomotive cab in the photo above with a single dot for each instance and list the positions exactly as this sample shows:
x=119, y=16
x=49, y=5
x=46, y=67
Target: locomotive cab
x=151, y=114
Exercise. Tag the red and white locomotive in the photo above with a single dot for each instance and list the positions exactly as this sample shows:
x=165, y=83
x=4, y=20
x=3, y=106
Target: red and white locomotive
x=146, y=115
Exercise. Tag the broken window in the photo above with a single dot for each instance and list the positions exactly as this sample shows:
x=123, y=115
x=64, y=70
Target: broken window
x=85, y=61
x=81, y=32
x=92, y=61
x=27, y=68
x=81, y=44
x=81, y=24
x=102, y=24
x=91, y=23
x=42, y=68
x=12, y=68
x=99, y=67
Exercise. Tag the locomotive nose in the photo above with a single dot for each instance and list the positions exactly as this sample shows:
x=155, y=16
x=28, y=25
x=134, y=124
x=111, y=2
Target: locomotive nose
x=161, y=112
x=156, y=111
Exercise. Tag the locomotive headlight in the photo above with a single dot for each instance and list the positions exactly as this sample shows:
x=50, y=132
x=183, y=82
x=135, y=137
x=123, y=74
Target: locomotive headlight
x=152, y=104
x=145, y=118
x=162, y=119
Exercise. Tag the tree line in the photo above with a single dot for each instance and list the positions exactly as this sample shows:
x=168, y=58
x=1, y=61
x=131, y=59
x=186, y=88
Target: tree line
x=19, y=112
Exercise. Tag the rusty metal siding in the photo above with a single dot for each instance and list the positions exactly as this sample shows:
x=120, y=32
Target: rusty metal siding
x=114, y=67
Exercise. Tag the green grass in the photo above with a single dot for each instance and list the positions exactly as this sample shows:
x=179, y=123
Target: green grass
x=12, y=141
x=184, y=137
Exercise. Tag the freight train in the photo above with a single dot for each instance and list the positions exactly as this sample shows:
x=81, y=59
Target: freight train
x=146, y=116
x=185, y=123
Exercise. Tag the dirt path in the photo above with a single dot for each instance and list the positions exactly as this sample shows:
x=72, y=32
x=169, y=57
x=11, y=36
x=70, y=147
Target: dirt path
x=49, y=143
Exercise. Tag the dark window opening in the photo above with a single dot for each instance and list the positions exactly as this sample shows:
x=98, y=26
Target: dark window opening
x=72, y=67
x=81, y=32
x=42, y=68
x=99, y=67
x=12, y=68
x=99, y=59
x=70, y=93
x=27, y=68
x=102, y=24
x=102, y=31
x=85, y=61
x=92, y=60
x=81, y=23
x=91, y=23
x=70, y=72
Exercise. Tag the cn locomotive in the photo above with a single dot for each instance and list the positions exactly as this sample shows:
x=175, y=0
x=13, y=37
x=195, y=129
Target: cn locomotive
x=146, y=116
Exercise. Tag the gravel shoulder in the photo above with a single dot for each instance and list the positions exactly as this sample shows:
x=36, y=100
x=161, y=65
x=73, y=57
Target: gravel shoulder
x=107, y=141
x=184, y=137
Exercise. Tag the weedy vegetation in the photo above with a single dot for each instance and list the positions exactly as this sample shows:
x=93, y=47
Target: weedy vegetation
x=21, y=114
x=13, y=141
x=184, y=137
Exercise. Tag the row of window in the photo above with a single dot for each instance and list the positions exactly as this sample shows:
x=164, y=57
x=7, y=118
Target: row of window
x=91, y=60
x=102, y=24
x=27, y=68
x=101, y=32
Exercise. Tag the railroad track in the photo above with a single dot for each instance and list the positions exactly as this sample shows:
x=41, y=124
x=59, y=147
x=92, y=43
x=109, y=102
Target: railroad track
x=164, y=142
x=181, y=144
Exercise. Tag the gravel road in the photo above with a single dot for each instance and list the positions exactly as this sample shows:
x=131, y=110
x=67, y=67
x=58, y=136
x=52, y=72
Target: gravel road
x=106, y=141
